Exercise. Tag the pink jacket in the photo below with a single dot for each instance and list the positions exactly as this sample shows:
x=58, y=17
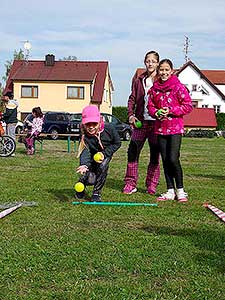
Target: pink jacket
x=174, y=95
x=37, y=125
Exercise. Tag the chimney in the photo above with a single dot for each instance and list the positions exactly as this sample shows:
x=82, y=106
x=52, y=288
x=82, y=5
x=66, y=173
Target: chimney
x=49, y=60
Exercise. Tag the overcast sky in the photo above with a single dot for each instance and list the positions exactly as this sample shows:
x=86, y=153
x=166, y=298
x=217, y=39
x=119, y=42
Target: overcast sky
x=120, y=32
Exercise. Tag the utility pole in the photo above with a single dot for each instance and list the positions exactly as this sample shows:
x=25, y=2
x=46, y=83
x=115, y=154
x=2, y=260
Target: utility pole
x=186, y=48
x=27, y=47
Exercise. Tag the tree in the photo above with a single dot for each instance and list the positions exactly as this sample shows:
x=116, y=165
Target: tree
x=70, y=58
x=17, y=55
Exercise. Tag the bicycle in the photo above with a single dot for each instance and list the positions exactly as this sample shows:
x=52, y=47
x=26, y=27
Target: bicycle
x=7, y=144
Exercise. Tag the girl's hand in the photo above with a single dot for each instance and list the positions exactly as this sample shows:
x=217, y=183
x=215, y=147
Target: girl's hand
x=165, y=111
x=132, y=120
x=162, y=113
x=82, y=169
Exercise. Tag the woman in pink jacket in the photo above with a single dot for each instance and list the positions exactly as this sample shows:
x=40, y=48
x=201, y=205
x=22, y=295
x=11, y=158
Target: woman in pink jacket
x=169, y=101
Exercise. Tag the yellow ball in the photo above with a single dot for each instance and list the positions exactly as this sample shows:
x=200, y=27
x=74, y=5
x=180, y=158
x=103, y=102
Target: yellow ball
x=97, y=156
x=79, y=187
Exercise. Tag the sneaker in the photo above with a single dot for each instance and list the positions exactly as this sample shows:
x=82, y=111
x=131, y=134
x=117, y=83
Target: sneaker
x=32, y=151
x=96, y=198
x=166, y=196
x=128, y=189
x=150, y=191
x=182, y=196
x=79, y=195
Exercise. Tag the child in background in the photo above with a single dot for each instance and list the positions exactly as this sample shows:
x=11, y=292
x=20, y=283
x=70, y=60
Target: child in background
x=36, y=128
x=2, y=110
x=97, y=137
x=169, y=101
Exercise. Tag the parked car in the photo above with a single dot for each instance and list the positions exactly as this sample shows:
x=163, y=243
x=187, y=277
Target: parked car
x=19, y=126
x=56, y=123
x=123, y=129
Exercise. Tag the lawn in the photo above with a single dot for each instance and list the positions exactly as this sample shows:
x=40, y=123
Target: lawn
x=57, y=250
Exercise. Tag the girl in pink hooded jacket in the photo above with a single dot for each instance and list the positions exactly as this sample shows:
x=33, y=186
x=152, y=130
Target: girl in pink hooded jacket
x=169, y=101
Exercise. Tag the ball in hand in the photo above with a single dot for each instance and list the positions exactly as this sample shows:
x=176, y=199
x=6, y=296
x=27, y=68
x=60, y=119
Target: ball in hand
x=98, y=156
x=138, y=124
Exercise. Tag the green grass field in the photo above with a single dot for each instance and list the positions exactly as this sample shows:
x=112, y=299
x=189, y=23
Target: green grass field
x=57, y=250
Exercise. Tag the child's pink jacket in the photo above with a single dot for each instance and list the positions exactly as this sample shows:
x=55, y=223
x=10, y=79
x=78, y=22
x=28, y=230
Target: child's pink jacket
x=174, y=95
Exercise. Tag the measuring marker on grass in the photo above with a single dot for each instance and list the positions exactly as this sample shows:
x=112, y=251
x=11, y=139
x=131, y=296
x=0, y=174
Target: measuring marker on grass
x=115, y=203
x=218, y=212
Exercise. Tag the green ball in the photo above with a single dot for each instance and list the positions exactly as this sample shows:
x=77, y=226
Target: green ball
x=79, y=187
x=138, y=124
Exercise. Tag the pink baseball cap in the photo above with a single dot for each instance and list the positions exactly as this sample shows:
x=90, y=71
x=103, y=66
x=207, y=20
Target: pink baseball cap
x=91, y=114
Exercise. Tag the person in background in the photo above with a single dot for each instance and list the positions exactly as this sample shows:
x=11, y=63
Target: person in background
x=35, y=129
x=10, y=114
x=2, y=110
x=169, y=101
x=137, y=111
x=97, y=138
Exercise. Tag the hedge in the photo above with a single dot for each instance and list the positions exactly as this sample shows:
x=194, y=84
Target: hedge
x=200, y=133
x=121, y=113
x=220, y=117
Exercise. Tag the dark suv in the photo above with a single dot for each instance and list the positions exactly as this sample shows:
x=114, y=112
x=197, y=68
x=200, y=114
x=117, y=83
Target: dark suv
x=55, y=123
x=123, y=129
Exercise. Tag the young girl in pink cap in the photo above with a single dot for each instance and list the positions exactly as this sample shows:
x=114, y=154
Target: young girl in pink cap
x=100, y=138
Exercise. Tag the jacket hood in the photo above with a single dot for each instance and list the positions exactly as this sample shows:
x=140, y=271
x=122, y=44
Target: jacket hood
x=164, y=86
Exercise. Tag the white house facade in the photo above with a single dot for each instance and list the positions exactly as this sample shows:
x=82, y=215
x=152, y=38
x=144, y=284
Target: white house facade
x=207, y=87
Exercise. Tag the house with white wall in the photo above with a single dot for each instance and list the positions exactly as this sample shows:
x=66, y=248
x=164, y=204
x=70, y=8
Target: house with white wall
x=207, y=87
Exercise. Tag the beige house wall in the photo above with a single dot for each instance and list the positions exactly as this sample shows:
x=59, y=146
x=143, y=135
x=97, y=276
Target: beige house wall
x=52, y=96
x=106, y=105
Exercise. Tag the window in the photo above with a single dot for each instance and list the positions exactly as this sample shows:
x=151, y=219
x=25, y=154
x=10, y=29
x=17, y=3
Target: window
x=205, y=106
x=29, y=91
x=195, y=104
x=216, y=108
x=194, y=87
x=75, y=92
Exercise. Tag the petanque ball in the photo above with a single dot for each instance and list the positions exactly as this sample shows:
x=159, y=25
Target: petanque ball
x=97, y=156
x=79, y=187
x=138, y=124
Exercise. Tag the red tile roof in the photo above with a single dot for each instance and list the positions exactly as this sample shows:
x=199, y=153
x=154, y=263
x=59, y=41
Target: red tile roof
x=215, y=76
x=79, y=71
x=201, y=117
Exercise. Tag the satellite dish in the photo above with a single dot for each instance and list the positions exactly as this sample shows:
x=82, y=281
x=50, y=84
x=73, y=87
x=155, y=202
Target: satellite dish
x=27, y=45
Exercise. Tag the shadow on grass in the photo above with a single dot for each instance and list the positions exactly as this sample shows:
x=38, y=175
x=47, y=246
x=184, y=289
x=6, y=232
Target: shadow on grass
x=210, y=176
x=115, y=184
x=63, y=195
x=211, y=243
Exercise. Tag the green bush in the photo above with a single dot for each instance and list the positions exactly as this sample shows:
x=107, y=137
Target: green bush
x=200, y=133
x=121, y=113
x=220, y=117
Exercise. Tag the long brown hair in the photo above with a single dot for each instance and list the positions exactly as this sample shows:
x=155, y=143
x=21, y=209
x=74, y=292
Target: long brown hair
x=37, y=111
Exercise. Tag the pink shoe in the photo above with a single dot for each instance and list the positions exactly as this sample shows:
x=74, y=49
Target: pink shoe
x=31, y=151
x=128, y=189
x=151, y=191
x=182, y=197
x=166, y=196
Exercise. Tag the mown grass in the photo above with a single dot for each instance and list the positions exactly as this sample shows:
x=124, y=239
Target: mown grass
x=57, y=250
